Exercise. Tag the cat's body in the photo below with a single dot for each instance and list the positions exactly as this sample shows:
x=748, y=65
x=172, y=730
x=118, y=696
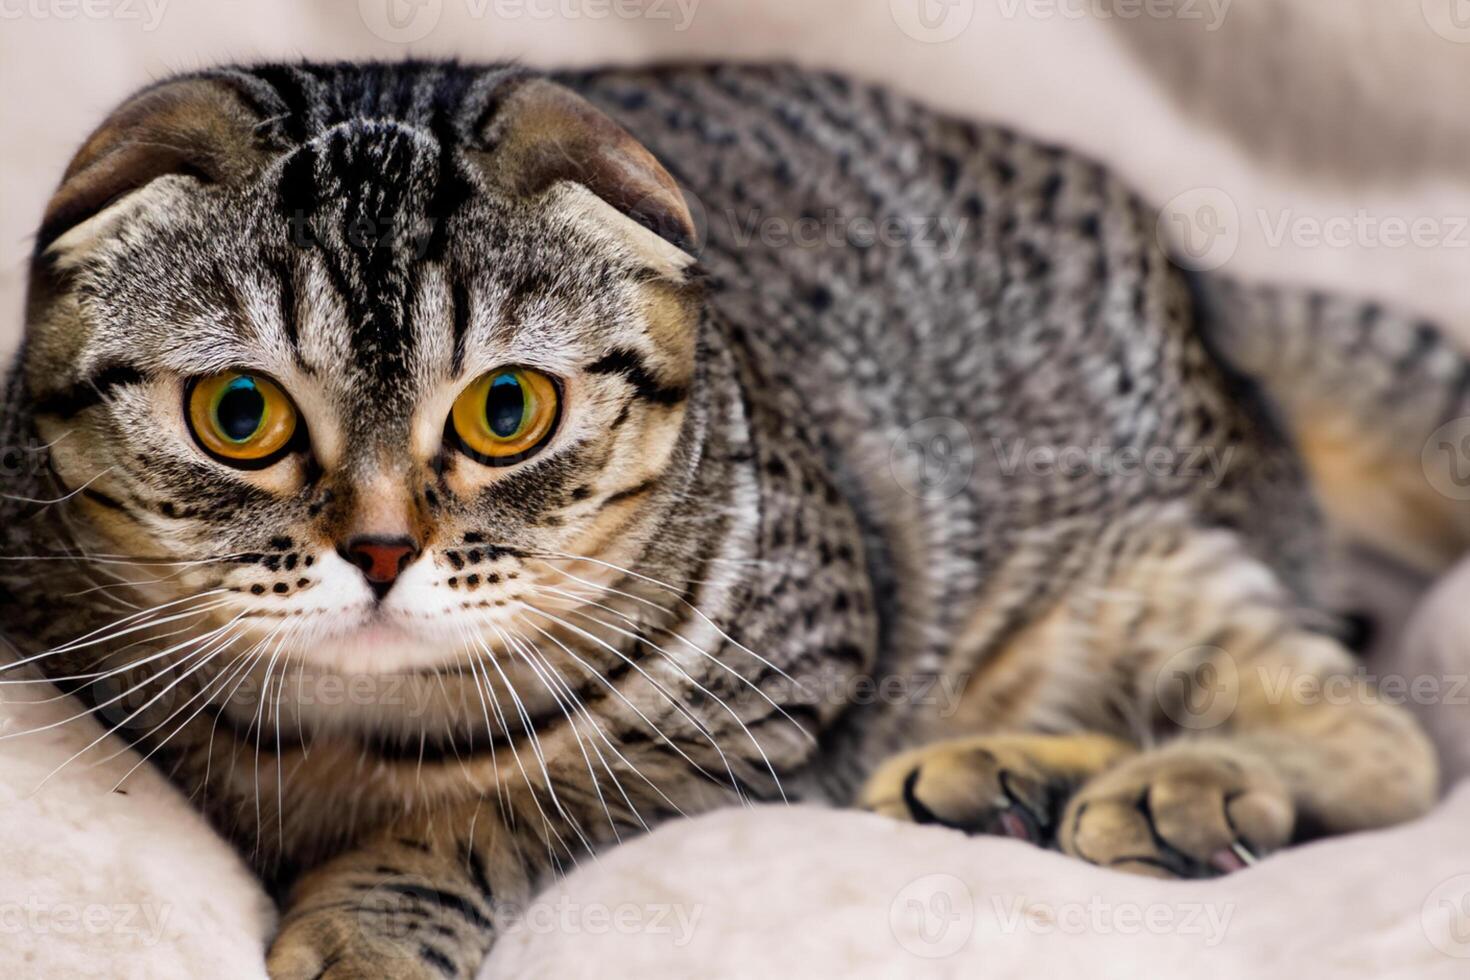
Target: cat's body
x=932, y=447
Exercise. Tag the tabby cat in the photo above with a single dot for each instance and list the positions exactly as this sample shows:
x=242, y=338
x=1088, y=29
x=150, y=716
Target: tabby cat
x=445, y=471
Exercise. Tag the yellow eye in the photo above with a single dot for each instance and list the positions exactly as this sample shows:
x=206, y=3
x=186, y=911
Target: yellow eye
x=506, y=415
x=242, y=419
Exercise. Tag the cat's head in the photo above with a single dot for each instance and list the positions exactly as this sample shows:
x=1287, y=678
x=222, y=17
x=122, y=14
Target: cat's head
x=351, y=346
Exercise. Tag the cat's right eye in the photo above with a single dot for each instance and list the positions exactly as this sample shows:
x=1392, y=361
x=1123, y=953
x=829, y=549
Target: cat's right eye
x=242, y=419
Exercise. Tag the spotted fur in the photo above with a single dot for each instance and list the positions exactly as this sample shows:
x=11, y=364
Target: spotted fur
x=681, y=602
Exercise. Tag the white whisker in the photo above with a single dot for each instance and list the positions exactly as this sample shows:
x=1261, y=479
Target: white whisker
x=173, y=649
x=594, y=672
x=64, y=497
x=679, y=598
x=571, y=722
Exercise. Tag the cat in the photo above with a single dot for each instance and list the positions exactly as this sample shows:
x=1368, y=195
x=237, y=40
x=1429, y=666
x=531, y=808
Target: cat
x=447, y=471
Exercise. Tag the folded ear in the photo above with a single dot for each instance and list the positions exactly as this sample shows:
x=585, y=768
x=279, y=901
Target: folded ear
x=545, y=133
x=194, y=126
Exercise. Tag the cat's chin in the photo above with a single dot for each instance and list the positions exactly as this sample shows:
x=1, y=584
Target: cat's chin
x=374, y=642
x=378, y=646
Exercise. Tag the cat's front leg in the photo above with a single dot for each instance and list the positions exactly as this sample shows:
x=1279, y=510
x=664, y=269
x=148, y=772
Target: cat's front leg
x=424, y=898
x=1303, y=748
x=1248, y=730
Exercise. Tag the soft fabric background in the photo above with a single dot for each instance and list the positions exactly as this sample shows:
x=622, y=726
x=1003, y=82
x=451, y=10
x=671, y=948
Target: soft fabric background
x=1307, y=136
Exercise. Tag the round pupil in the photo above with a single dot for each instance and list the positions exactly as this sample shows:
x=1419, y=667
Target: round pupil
x=505, y=405
x=241, y=409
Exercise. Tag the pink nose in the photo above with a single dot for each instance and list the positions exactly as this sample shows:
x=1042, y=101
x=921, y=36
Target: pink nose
x=380, y=559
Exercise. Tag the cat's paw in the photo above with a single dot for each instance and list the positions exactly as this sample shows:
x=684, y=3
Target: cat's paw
x=332, y=946
x=1192, y=810
x=978, y=785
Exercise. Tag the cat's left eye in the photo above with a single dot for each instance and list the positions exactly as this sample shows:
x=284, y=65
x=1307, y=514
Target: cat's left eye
x=242, y=419
x=506, y=415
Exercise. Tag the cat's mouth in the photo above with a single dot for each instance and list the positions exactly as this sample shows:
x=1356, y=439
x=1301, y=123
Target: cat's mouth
x=431, y=619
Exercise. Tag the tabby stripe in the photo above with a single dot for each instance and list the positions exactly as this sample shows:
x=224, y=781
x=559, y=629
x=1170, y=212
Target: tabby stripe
x=627, y=363
x=257, y=95
x=460, y=298
x=102, y=499
x=499, y=86
x=475, y=865
x=437, y=960
x=448, y=901
x=285, y=273
x=89, y=392
x=446, y=101
x=627, y=494
x=452, y=188
x=296, y=192
x=288, y=85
